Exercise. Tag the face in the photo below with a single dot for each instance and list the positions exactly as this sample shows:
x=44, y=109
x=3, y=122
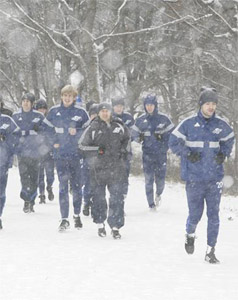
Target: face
x=150, y=108
x=42, y=110
x=118, y=109
x=105, y=115
x=26, y=105
x=68, y=99
x=208, y=109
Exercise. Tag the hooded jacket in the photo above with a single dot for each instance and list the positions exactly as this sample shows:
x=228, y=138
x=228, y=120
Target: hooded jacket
x=148, y=126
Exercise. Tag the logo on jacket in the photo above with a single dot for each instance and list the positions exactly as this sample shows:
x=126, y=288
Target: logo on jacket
x=76, y=118
x=117, y=130
x=161, y=125
x=197, y=125
x=217, y=130
x=36, y=120
x=58, y=114
x=4, y=126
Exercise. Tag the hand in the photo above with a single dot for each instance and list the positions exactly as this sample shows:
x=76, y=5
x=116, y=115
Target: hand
x=101, y=150
x=220, y=158
x=141, y=137
x=72, y=131
x=158, y=136
x=2, y=137
x=56, y=146
x=194, y=156
x=36, y=127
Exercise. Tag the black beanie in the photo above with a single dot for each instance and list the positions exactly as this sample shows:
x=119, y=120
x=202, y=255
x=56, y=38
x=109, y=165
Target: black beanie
x=41, y=103
x=104, y=105
x=93, y=110
x=208, y=95
x=118, y=101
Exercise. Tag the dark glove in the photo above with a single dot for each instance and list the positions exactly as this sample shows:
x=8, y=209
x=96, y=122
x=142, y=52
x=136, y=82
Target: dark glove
x=101, y=150
x=36, y=127
x=2, y=137
x=158, y=136
x=220, y=158
x=194, y=156
x=141, y=137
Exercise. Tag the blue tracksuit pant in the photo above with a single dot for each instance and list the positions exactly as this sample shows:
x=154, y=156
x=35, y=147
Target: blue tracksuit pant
x=154, y=168
x=87, y=193
x=69, y=171
x=198, y=193
x=3, y=184
x=46, y=168
x=29, y=175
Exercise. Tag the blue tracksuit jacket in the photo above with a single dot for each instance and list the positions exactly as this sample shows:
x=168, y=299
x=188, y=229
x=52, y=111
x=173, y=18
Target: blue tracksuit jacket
x=126, y=118
x=207, y=136
x=59, y=120
x=9, y=137
x=149, y=125
x=31, y=143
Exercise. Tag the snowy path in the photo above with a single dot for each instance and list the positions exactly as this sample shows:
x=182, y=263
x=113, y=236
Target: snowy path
x=149, y=262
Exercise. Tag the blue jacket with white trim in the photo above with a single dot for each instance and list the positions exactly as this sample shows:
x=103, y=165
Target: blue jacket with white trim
x=58, y=122
x=126, y=118
x=206, y=136
x=148, y=125
x=31, y=142
x=9, y=138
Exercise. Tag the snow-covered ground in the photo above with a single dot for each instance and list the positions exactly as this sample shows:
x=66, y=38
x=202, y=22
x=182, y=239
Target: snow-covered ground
x=149, y=262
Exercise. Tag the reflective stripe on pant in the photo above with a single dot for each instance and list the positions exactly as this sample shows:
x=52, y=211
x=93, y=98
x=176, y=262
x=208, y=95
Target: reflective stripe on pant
x=197, y=194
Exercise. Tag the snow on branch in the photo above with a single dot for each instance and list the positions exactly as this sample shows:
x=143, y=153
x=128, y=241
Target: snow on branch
x=41, y=30
x=180, y=20
x=220, y=63
x=118, y=19
x=67, y=5
x=234, y=30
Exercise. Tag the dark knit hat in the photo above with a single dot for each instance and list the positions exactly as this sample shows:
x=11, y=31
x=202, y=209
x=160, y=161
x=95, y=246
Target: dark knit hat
x=208, y=95
x=93, y=109
x=118, y=101
x=104, y=105
x=28, y=96
x=41, y=103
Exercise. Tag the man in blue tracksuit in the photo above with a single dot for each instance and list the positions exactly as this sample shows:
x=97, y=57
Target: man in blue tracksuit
x=30, y=148
x=46, y=163
x=118, y=105
x=152, y=129
x=203, y=141
x=9, y=137
x=68, y=121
